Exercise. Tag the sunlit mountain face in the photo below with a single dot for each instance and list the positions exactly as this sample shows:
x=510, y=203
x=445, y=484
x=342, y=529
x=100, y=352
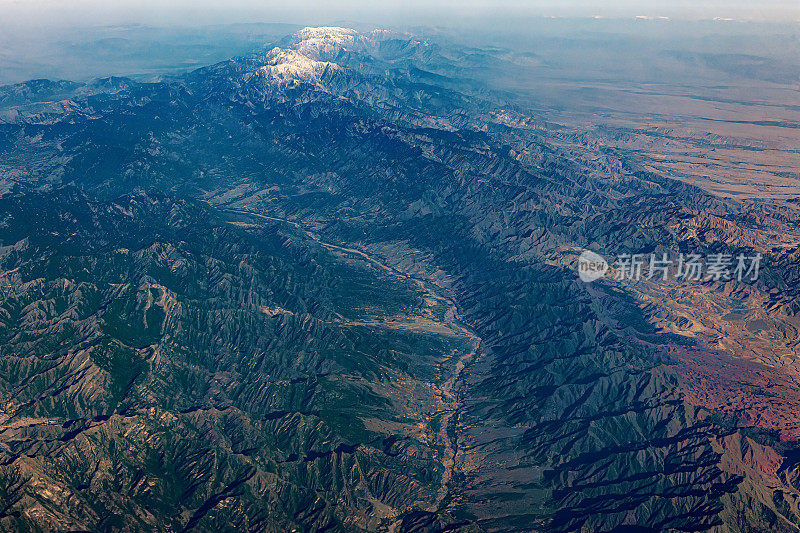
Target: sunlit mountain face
x=369, y=280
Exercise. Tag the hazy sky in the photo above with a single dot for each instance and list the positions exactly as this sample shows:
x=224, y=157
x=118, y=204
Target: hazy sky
x=23, y=13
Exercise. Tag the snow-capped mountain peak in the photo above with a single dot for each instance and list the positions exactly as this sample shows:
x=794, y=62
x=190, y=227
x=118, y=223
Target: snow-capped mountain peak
x=324, y=40
x=285, y=64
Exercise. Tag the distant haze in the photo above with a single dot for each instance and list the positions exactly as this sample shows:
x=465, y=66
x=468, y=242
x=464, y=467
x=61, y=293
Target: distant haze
x=22, y=13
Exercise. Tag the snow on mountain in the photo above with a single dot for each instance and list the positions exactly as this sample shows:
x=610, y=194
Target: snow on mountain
x=284, y=65
x=311, y=53
x=301, y=57
x=327, y=40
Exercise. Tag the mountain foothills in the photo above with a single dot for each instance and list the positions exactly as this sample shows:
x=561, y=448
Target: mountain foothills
x=330, y=286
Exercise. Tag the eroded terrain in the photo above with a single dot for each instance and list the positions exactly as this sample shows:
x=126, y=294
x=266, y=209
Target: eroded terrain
x=330, y=285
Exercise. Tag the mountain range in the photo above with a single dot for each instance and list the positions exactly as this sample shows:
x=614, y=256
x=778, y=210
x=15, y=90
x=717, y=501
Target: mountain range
x=331, y=285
